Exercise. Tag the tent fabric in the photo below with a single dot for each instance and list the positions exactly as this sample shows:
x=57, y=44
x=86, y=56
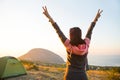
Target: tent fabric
x=10, y=67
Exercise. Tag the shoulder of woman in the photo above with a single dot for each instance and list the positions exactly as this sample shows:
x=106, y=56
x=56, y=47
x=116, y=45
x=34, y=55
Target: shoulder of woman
x=67, y=42
x=87, y=41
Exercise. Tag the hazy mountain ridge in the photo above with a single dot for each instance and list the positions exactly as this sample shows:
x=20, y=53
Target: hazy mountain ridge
x=42, y=55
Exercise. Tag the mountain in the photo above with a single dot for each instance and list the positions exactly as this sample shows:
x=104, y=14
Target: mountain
x=42, y=55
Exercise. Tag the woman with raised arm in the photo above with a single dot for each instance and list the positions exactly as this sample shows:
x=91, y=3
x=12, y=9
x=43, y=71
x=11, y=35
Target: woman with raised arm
x=76, y=47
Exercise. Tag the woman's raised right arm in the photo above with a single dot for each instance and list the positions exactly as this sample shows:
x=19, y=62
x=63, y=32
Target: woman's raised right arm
x=54, y=24
x=89, y=33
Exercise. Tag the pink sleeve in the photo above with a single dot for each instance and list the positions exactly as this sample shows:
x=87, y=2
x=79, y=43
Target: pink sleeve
x=87, y=41
x=67, y=44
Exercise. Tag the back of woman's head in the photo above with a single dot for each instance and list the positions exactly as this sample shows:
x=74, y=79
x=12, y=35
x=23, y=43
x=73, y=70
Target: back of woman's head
x=75, y=36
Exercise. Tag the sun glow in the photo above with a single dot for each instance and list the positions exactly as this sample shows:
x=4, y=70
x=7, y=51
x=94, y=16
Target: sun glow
x=24, y=27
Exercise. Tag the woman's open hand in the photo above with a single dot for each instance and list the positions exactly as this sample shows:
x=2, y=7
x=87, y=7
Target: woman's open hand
x=45, y=12
x=98, y=15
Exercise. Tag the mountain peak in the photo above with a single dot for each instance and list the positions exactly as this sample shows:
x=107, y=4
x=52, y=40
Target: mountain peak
x=42, y=55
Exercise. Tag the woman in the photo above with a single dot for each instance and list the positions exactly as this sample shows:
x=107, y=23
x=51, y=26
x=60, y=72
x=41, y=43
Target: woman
x=76, y=47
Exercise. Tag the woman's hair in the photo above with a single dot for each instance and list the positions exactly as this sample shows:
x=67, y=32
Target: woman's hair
x=75, y=36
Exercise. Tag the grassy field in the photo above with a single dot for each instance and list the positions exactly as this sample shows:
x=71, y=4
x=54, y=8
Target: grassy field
x=56, y=72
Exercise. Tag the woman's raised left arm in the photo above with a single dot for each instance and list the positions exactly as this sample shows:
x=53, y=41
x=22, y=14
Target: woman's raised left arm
x=54, y=24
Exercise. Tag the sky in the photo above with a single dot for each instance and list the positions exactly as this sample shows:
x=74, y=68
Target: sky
x=24, y=27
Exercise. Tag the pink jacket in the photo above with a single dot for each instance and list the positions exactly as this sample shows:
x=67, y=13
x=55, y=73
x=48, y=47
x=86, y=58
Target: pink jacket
x=81, y=49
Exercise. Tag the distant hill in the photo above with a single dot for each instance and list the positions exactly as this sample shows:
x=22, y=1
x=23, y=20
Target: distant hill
x=42, y=55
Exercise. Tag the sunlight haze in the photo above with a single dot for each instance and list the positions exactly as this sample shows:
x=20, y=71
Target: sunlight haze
x=24, y=27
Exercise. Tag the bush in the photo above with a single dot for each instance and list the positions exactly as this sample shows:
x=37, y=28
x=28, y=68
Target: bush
x=35, y=67
x=113, y=75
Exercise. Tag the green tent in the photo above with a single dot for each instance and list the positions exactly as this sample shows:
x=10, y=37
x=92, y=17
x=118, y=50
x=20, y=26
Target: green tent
x=10, y=67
